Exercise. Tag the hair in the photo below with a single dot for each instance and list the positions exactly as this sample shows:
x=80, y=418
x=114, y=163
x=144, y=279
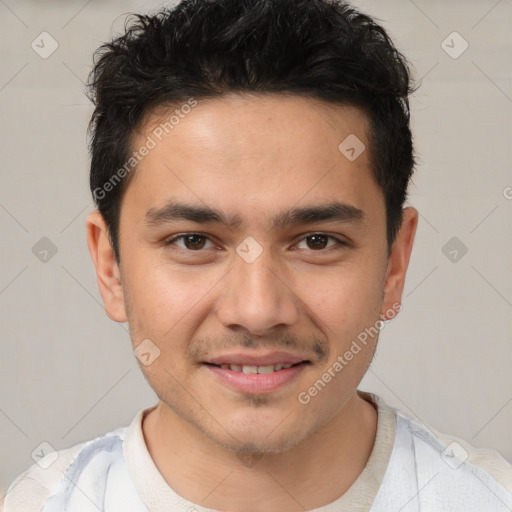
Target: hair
x=323, y=49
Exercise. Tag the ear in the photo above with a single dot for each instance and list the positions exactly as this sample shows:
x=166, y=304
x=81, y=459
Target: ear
x=398, y=262
x=107, y=270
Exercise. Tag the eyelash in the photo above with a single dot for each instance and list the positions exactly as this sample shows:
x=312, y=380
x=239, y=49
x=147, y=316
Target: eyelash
x=184, y=235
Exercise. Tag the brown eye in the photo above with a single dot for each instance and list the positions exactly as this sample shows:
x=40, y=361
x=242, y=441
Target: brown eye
x=319, y=241
x=194, y=241
x=190, y=241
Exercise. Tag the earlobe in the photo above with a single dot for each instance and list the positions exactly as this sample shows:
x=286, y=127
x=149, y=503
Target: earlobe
x=107, y=270
x=398, y=262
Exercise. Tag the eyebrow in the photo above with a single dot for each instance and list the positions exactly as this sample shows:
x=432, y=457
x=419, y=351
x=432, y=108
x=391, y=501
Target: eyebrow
x=332, y=212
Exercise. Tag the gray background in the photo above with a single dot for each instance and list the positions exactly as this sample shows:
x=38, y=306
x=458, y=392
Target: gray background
x=67, y=372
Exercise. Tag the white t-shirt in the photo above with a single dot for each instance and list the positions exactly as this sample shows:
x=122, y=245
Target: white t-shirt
x=411, y=468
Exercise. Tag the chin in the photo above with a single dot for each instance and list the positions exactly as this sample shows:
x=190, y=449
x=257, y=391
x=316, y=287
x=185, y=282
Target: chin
x=257, y=444
x=261, y=438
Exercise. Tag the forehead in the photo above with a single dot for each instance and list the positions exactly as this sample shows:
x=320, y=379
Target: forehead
x=252, y=152
x=258, y=125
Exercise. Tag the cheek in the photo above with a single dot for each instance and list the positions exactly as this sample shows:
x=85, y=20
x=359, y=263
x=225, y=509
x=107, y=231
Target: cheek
x=163, y=299
x=346, y=304
x=344, y=298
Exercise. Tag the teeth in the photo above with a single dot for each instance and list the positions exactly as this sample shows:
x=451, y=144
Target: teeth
x=266, y=369
x=256, y=369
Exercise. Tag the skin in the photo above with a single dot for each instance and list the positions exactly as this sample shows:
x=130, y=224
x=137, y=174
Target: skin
x=255, y=156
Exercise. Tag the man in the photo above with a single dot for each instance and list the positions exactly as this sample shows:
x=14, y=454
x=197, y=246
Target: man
x=250, y=162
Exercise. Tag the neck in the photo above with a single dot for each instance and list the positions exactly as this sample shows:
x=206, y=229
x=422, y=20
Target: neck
x=312, y=474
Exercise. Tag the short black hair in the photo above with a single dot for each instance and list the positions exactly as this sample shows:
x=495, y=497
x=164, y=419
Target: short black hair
x=323, y=49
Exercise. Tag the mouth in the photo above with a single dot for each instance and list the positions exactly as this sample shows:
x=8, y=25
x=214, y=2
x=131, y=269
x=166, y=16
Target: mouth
x=249, y=377
x=253, y=369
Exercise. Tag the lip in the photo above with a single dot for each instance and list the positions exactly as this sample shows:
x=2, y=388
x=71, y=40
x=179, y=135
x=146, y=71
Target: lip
x=251, y=359
x=257, y=383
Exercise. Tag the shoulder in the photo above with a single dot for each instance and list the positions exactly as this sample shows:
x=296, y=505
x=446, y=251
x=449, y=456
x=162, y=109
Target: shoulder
x=454, y=452
x=451, y=472
x=56, y=470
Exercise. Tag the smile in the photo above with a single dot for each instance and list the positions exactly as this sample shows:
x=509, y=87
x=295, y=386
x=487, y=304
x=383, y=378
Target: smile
x=252, y=379
x=250, y=369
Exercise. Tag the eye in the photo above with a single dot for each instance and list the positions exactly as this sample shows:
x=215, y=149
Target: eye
x=191, y=241
x=319, y=241
x=195, y=242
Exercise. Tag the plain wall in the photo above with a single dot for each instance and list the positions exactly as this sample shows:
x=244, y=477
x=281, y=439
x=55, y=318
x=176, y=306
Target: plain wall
x=67, y=373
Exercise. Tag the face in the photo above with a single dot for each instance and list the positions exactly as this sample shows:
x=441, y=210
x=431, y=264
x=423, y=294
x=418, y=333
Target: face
x=253, y=256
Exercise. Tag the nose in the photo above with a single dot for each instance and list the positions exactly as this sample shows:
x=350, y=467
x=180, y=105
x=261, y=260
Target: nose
x=257, y=297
